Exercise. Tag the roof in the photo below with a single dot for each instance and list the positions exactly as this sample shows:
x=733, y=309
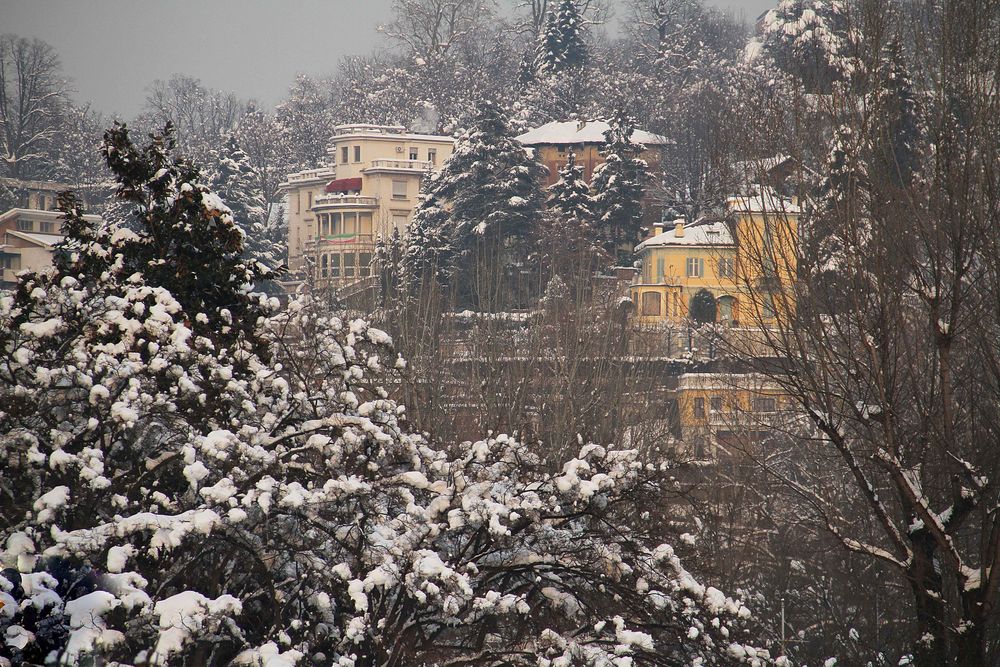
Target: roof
x=580, y=132
x=766, y=201
x=699, y=234
x=47, y=240
x=39, y=214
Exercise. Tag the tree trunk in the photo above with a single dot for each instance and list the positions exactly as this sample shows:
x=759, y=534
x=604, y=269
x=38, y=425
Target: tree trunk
x=930, y=647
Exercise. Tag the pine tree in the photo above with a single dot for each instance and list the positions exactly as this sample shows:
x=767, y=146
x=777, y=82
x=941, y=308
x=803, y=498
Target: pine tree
x=482, y=207
x=235, y=181
x=562, y=45
x=809, y=39
x=619, y=185
x=572, y=244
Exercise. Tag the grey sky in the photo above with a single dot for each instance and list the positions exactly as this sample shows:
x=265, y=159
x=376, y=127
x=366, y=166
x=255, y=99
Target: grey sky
x=113, y=49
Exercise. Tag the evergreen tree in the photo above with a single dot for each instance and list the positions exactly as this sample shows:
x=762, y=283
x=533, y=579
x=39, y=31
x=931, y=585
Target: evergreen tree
x=809, y=40
x=619, y=185
x=235, y=181
x=481, y=210
x=571, y=243
x=180, y=236
x=562, y=45
x=898, y=134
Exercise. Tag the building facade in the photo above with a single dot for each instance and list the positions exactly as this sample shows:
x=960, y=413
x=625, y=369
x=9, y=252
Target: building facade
x=746, y=261
x=553, y=142
x=27, y=241
x=371, y=187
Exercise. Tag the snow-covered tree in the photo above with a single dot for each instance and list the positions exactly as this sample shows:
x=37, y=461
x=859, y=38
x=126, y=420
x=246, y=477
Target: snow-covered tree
x=570, y=242
x=563, y=44
x=235, y=180
x=32, y=95
x=619, y=186
x=483, y=206
x=193, y=477
x=306, y=122
x=810, y=40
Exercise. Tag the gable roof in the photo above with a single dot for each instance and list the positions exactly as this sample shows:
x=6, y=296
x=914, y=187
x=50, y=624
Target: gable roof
x=570, y=132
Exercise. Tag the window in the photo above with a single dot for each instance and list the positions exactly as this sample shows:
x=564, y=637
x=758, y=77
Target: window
x=765, y=404
x=726, y=268
x=699, y=407
x=365, y=224
x=335, y=266
x=349, y=266
x=48, y=228
x=398, y=189
x=25, y=226
x=727, y=308
x=365, y=264
x=310, y=200
x=650, y=303
x=695, y=267
x=716, y=404
x=12, y=262
x=351, y=223
x=432, y=155
x=413, y=154
x=767, y=307
x=324, y=264
x=344, y=153
x=659, y=270
x=357, y=153
x=400, y=220
x=324, y=225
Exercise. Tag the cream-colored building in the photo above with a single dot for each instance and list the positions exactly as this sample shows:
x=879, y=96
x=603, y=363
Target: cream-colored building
x=27, y=241
x=335, y=213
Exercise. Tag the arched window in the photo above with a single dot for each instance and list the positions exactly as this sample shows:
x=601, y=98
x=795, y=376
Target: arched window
x=727, y=308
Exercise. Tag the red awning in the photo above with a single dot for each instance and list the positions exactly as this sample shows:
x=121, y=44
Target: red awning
x=344, y=185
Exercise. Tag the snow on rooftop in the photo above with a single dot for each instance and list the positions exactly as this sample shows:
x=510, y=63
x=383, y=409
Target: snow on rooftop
x=766, y=201
x=579, y=132
x=698, y=234
x=41, y=239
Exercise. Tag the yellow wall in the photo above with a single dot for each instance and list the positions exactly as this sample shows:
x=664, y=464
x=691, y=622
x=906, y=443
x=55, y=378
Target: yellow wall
x=745, y=289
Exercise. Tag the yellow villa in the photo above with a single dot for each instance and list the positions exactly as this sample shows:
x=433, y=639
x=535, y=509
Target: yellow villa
x=371, y=187
x=746, y=262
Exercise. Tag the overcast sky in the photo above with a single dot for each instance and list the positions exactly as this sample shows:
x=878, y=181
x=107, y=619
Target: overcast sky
x=113, y=49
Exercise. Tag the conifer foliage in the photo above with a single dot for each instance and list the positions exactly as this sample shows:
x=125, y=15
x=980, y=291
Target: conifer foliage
x=235, y=181
x=619, y=186
x=483, y=206
x=563, y=44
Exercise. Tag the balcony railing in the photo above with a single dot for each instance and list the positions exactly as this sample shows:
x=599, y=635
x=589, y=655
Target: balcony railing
x=344, y=201
x=312, y=174
x=405, y=165
x=338, y=240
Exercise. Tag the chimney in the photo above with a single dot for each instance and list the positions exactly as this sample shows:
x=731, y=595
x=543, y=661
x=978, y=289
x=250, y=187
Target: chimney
x=580, y=124
x=657, y=228
x=679, y=229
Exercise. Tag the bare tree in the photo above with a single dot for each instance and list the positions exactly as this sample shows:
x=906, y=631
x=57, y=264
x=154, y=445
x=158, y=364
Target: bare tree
x=888, y=345
x=532, y=13
x=32, y=94
x=430, y=29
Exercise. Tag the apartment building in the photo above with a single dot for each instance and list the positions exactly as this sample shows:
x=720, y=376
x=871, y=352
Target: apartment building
x=370, y=187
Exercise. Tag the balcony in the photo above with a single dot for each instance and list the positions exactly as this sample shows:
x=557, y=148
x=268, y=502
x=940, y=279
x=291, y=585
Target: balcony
x=364, y=129
x=334, y=241
x=335, y=201
x=322, y=173
x=383, y=164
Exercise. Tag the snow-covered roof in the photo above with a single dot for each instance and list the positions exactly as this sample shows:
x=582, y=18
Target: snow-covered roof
x=579, y=132
x=47, y=240
x=766, y=201
x=699, y=234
